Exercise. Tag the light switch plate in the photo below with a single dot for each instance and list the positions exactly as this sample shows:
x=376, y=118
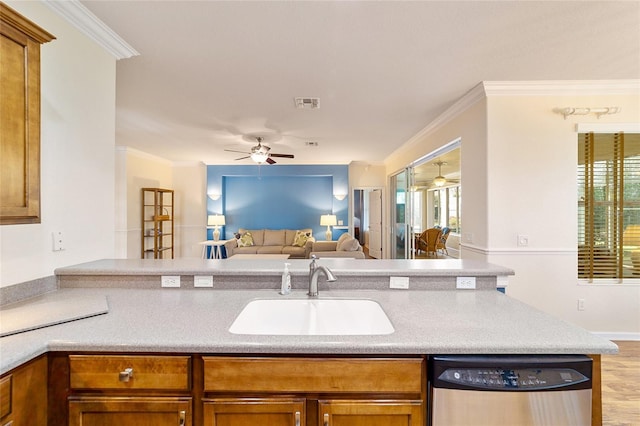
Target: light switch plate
x=203, y=281
x=58, y=242
x=399, y=283
x=170, y=281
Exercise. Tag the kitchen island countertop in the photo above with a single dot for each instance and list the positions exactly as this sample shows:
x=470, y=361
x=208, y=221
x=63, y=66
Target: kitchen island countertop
x=197, y=321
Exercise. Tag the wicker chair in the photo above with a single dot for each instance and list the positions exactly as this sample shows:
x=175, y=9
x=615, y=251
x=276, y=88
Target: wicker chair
x=442, y=242
x=428, y=240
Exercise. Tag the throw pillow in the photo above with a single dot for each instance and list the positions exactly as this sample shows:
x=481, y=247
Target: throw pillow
x=300, y=239
x=343, y=237
x=349, y=244
x=246, y=240
x=341, y=240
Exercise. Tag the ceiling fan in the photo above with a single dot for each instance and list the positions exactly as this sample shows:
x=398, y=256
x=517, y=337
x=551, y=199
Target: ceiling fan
x=260, y=153
x=441, y=180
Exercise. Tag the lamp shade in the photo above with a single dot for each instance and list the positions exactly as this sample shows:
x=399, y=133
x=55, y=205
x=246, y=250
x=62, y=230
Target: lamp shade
x=215, y=220
x=328, y=220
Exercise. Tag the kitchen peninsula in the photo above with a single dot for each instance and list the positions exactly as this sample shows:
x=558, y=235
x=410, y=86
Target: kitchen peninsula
x=182, y=333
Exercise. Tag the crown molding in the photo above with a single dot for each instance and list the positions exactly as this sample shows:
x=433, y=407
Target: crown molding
x=524, y=88
x=90, y=25
x=562, y=87
x=142, y=154
x=469, y=99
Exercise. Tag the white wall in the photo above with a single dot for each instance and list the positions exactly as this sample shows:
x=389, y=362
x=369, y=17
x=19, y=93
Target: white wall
x=518, y=165
x=190, y=184
x=77, y=156
x=141, y=170
x=137, y=170
x=532, y=191
x=468, y=122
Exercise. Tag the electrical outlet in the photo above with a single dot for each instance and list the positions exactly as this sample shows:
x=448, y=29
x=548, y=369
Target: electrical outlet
x=170, y=281
x=523, y=240
x=203, y=281
x=581, y=304
x=399, y=283
x=466, y=283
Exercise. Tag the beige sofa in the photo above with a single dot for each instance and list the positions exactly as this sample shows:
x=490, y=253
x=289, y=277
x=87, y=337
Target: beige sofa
x=270, y=241
x=346, y=246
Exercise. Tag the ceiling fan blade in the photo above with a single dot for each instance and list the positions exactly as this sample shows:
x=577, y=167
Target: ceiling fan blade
x=233, y=150
x=270, y=161
x=242, y=158
x=282, y=155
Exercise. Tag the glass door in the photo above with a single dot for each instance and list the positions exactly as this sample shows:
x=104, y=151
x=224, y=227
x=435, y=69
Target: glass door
x=402, y=231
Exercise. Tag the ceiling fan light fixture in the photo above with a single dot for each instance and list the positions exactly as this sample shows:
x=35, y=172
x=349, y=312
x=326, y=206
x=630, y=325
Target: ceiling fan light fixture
x=259, y=156
x=439, y=180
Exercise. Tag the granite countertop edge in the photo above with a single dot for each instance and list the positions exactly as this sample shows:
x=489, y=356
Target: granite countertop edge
x=261, y=267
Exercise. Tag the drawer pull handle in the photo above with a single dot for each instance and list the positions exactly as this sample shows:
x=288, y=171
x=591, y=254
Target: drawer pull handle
x=326, y=420
x=183, y=418
x=125, y=375
x=297, y=418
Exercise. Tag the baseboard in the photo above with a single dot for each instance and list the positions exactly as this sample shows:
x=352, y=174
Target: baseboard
x=618, y=335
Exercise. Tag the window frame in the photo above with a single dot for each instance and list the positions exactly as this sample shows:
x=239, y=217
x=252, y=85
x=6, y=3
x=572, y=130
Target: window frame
x=606, y=208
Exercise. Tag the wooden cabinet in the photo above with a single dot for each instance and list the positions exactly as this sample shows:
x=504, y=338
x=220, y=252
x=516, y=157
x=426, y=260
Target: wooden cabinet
x=157, y=223
x=314, y=391
x=185, y=390
x=129, y=411
x=128, y=390
x=370, y=413
x=23, y=395
x=20, y=41
x=254, y=411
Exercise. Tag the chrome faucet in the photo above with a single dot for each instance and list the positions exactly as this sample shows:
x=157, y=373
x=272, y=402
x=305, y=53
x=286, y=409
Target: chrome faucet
x=314, y=271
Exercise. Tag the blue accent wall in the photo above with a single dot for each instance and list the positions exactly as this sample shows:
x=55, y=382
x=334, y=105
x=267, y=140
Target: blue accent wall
x=277, y=196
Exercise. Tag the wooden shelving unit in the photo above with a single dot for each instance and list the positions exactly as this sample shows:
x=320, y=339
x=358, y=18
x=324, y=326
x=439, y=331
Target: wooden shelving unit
x=157, y=215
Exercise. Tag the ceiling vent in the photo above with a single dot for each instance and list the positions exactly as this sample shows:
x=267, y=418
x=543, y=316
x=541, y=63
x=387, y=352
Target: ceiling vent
x=307, y=103
x=309, y=143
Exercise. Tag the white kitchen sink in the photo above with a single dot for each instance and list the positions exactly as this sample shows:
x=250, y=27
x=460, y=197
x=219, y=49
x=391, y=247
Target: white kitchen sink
x=312, y=317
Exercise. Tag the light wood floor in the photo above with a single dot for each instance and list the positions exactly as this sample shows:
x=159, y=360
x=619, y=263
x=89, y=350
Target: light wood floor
x=621, y=386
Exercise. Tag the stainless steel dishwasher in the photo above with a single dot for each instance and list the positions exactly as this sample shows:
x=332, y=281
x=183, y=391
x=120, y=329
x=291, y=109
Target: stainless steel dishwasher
x=510, y=390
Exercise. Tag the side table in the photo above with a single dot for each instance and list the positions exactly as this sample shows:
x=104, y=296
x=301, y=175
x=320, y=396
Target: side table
x=216, y=248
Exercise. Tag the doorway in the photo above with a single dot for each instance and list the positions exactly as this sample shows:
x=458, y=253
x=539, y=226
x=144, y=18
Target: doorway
x=401, y=206
x=367, y=220
x=426, y=194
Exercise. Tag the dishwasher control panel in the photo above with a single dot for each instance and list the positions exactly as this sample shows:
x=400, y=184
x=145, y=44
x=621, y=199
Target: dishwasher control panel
x=525, y=379
x=511, y=373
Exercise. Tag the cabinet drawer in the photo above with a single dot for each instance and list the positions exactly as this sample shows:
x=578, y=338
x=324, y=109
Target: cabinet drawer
x=274, y=374
x=130, y=372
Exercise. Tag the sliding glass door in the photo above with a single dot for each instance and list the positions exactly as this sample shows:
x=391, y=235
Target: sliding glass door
x=402, y=206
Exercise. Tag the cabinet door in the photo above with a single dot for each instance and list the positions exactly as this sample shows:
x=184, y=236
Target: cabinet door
x=129, y=411
x=254, y=411
x=370, y=412
x=23, y=395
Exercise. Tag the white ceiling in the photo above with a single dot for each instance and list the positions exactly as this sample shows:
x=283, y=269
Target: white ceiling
x=210, y=72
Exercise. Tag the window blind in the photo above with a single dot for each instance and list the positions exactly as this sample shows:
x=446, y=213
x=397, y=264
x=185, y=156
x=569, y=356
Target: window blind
x=608, y=206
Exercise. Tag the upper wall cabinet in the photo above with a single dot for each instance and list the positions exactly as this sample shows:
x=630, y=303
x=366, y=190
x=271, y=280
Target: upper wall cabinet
x=20, y=117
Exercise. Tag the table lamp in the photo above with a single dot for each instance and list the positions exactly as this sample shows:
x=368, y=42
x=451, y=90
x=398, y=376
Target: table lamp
x=328, y=220
x=216, y=221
